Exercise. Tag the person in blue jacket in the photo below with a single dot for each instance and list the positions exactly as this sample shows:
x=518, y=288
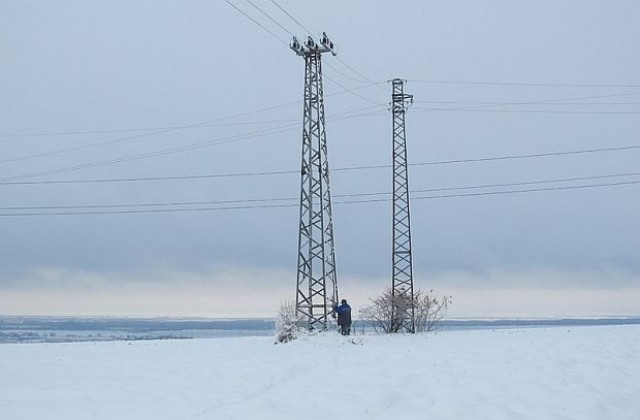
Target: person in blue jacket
x=344, y=317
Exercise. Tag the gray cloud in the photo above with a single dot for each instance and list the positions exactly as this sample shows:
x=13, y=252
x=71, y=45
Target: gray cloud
x=115, y=66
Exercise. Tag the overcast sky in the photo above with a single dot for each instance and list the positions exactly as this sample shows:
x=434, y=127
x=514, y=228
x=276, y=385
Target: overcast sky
x=146, y=109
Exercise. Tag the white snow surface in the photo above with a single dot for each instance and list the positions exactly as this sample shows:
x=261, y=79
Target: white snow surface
x=580, y=373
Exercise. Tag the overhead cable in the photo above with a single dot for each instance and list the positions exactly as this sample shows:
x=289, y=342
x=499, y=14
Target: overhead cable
x=256, y=22
x=339, y=169
x=179, y=149
x=292, y=17
x=490, y=83
x=266, y=206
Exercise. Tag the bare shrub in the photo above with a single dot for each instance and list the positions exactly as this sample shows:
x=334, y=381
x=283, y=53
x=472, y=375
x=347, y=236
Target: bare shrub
x=384, y=312
x=430, y=310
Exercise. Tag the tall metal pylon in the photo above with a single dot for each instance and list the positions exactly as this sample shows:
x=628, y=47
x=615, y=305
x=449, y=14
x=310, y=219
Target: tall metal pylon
x=403, y=311
x=316, y=250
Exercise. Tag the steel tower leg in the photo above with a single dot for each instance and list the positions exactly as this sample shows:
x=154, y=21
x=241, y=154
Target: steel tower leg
x=316, y=251
x=403, y=311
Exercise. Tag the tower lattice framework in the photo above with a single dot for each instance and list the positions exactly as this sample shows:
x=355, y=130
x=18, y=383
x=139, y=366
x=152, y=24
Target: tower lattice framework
x=316, y=249
x=403, y=311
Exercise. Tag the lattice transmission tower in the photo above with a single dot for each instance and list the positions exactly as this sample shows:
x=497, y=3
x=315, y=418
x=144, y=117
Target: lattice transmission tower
x=316, y=250
x=403, y=311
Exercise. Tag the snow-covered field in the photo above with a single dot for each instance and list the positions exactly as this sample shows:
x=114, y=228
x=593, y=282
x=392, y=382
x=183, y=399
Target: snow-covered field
x=577, y=373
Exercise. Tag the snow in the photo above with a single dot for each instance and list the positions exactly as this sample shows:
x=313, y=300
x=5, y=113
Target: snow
x=532, y=373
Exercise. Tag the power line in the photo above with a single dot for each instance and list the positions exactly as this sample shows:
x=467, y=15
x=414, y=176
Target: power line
x=147, y=134
x=127, y=130
x=347, y=168
x=205, y=123
x=520, y=103
x=345, y=90
x=165, y=129
x=179, y=149
x=256, y=22
x=492, y=193
x=517, y=184
x=213, y=123
x=265, y=206
x=532, y=190
x=89, y=146
x=162, y=152
x=351, y=195
x=497, y=158
x=138, y=135
x=107, y=162
x=334, y=68
x=529, y=156
x=269, y=17
x=157, y=178
x=291, y=17
x=159, y=131
x=356, y=72
x=502, y=185
x=482, y=108
x=529, y=111
x=133, y=205
x=542, y=101
x=475, y=82
x=352, y=91
x=359, y=74
x=100, y=212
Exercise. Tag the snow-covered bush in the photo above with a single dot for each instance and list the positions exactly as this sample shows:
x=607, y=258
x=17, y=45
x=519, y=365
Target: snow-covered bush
x=288, y=324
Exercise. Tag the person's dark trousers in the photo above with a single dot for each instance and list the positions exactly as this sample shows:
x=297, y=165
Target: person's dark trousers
x=345, y=329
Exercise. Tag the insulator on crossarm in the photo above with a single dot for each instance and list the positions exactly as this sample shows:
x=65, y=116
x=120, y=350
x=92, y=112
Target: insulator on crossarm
x=325, y=39
x=296, y=47
x=327, y=43
x=311, y=44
